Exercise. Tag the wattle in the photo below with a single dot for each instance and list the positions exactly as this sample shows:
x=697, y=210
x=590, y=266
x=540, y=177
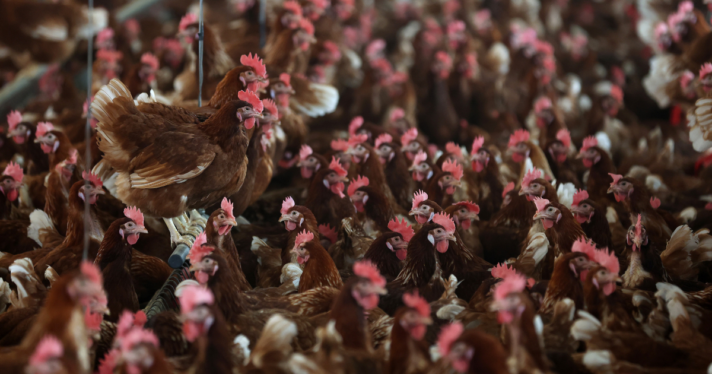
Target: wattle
x=580, y=219
x=465, y=224
x=132, y=238
x=46, y=148
x=306, y=172
x=19, y=139
x=477, y=166
x=609, y=288
x=442, y=246
x=338, y=189
x=548, y=223
x=402, y=254
x=202, y=277
x=290, y=225
x=12, y=195
x=450, y=190
x=587, y=163
x=421, y=219
x=517, y=157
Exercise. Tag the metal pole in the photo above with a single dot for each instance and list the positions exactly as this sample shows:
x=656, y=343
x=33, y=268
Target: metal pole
x=201, y=34
x=87, y=135
x=263, y=27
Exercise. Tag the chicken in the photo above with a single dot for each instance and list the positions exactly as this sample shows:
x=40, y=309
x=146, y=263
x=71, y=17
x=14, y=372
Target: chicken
x=565, y=280
x=408, y=352
x=48, y=32
x=319, y=268
x=395, y=169
x=23, y=134
x=75, y=298
x=372, y=203
x=326, y=198
x=212, y=142
x=471, y=351
x=592, y=218
x=114, y=260
x=487, y=185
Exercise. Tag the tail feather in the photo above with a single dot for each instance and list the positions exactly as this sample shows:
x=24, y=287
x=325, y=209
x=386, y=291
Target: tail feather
x=276, y=339
x=685, y=251
x=313, y=99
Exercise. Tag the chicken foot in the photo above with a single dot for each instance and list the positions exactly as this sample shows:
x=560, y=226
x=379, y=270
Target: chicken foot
x=176, y=236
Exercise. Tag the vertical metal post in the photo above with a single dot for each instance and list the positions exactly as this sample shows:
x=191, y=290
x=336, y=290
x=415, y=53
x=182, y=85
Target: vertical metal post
x=263, y=26
x=87, y=132
x=201, y=34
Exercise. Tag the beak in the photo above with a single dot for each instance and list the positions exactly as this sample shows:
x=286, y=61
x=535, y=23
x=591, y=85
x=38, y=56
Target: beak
x=99, y=191
x=426, y=320
x=638, y=241
x=344, y=179
x=411, y=168
x=611, y=189
x=412, y=213
x=452, y=238
x=258, y=115
x=232, y=222
x=538, y=215
x=522, y=192
x=261, y=80
x=141, y=230
x=311, y=39
x=580, y=155
x=291, y=91
x=38, y=140
x=476, y=217
x=380, y=290
x=283, y=218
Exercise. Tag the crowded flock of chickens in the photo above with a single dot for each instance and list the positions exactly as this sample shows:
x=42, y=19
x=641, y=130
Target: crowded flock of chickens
x=364, y=186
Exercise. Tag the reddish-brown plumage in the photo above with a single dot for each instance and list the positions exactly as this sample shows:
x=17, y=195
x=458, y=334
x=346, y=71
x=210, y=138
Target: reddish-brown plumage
x=327, y=206
x=564, y=283
x=319, y=270
x=561, y=238
x=489, y=355
x=599, y=180
x=407, y=355
x=385, y=260
x=228, y=87
x=225, y=244
x=114, y=261
x=350, y=318
x=377, y=208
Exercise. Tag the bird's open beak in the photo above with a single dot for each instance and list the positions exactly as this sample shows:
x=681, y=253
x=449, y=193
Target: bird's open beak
x=283, y=218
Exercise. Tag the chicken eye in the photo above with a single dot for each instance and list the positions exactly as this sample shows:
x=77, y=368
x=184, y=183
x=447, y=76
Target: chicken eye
x=221, y=216
x=130, y=224
x=462, y=211
x=294, y=213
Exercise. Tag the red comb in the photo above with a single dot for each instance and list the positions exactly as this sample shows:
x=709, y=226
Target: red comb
x=255, y=62
x=192, y=296
x=402, y=227
x=357, y=183
x=303, y=237
x=287, y=204
x=608, y=260
x=366, y=269
x=617, y=93
x=585, y=246
x=443, y=219
x=326, y=231
x=383, y=138
x=530, y=176
x=198, y=250
x=150, y=60
x=293, y=7
x=419, y=197
x=513, y=282
x=579, y=196
x=409, y=136
x=307, y=26
x=355, y=124
x=335, y=165
x=616, y=178
x=420, y=157
x=705, y=69
x=454, y=168
x=444, y=58
x=639, y=226
x=540, y=203
x=305, y=152
x=13, y=119
x=340, y=145
x=542, y=103
x=134, y=214
x=355, y=140
x=413, y=300
x=48, y=348
x=375, y=47
x=92, y=178
x=589, y=142
x=252, y=99
x=91, y=272
x=104, y=35
x=397, y=114
x=477, y=144
x=15, y=171
x=187, y=20
x=286, y=79
x=227, y=206
x=138, y=336
x=43, y=128
x=502, y=271
x=453, y=149
x=448, y=335
x=472, y=207
x=509, y=187
x=270, y=106
x=518, y=137
x=564, y=137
